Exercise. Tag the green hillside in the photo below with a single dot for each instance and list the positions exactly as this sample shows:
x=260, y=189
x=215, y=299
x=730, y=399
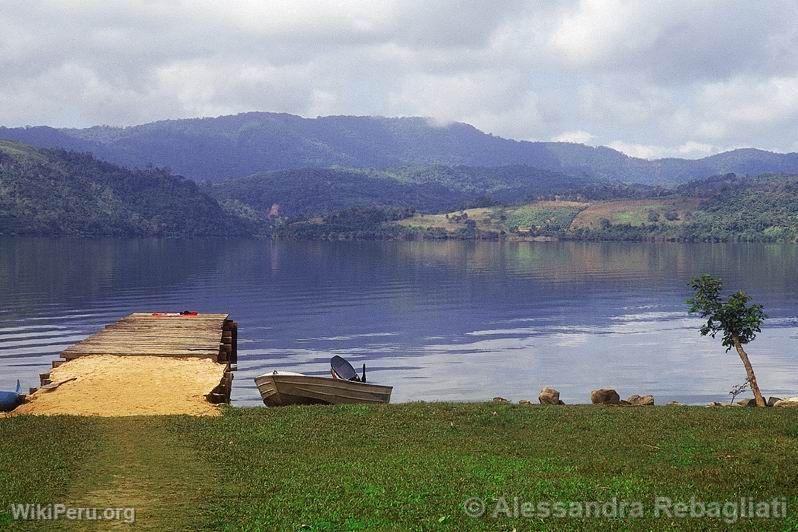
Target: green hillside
x=722, y=209
x=312, y=192
x=52, y=192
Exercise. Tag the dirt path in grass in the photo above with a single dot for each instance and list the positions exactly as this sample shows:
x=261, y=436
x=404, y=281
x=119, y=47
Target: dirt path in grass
x=142, y=465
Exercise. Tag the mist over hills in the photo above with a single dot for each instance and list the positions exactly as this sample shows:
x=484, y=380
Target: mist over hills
x=244, y=144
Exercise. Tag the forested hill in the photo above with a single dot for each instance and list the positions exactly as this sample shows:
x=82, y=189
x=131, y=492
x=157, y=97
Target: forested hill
x=311, y=192
x=249, y=143
x=54, y=192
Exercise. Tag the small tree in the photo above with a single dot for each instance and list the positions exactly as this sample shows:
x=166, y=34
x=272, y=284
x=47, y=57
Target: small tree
x=734, y=318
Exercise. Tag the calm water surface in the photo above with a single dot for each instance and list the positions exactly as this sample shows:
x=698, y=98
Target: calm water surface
x=438, y=320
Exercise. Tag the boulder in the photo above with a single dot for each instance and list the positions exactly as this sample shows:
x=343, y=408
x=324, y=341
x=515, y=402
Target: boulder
x=501, y=400
x=747, y=402
x=605, y=396
x=792, y=402
x=641, y=400
x=549, y=396
x=524, y=402
x=675, y=403
x=773, y=400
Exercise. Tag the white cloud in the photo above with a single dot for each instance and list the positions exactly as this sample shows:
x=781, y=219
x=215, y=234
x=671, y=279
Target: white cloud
x=642, y=151
x=581, y=137
x=671, y=78
x=696, y=150
x=748, y=101
x=473, y=98
x=689, y=150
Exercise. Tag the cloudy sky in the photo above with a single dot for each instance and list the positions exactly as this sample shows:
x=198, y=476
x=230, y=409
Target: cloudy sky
x=651, y=78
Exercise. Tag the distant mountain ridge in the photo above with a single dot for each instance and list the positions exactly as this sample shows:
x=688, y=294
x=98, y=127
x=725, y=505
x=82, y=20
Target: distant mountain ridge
x=248, y=143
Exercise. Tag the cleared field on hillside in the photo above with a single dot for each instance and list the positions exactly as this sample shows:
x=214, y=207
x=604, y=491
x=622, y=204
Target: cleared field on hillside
x=544, y=215
x=485, y=218
x=635, y=212
x=560, y=216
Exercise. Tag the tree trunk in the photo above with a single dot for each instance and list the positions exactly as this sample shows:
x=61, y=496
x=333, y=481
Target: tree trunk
x=760, y=401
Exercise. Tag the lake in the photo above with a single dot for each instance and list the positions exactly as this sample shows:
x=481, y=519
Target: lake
x=460, y=321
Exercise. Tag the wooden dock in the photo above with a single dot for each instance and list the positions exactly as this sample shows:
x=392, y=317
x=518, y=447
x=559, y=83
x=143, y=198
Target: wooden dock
x=161, y=334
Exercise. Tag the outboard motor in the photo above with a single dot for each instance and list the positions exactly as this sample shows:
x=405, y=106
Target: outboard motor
x=341, y=369
x=10, y=400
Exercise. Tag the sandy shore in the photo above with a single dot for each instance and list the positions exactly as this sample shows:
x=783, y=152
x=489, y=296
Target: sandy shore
x=129, y=386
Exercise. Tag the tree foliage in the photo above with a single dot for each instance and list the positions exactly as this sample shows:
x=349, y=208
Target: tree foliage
x=52, y=192
x=734, y=318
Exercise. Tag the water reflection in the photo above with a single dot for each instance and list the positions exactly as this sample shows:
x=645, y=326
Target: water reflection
x=439, y=320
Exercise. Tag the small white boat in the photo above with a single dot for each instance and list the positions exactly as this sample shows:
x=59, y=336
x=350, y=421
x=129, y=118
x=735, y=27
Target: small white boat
x=281, y=388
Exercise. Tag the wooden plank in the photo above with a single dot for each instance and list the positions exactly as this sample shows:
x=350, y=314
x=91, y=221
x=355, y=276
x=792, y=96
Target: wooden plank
x=201, y=317
x=151, y=337
x=210, y=326
x=166, y=338
x=152, y=341
x=154, y=335
x=173, y=319
x=149, y=340
x=176, y=315
x=177, y=327
x=139, y=352
x=144, y=347
x=212, y=356
x=174, y=331
x=144, y=352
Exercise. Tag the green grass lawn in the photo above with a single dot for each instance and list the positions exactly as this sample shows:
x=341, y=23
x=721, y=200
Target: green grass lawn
x=403, y=467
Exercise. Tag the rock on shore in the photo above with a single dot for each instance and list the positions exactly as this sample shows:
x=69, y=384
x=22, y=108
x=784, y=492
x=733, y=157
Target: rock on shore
x=641, y=400
x=792, y=402
x=605, y=396
x=549, y=396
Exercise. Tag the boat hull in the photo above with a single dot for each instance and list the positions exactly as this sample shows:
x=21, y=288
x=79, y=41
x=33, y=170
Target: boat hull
x=284, y=390
x=9, y=401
